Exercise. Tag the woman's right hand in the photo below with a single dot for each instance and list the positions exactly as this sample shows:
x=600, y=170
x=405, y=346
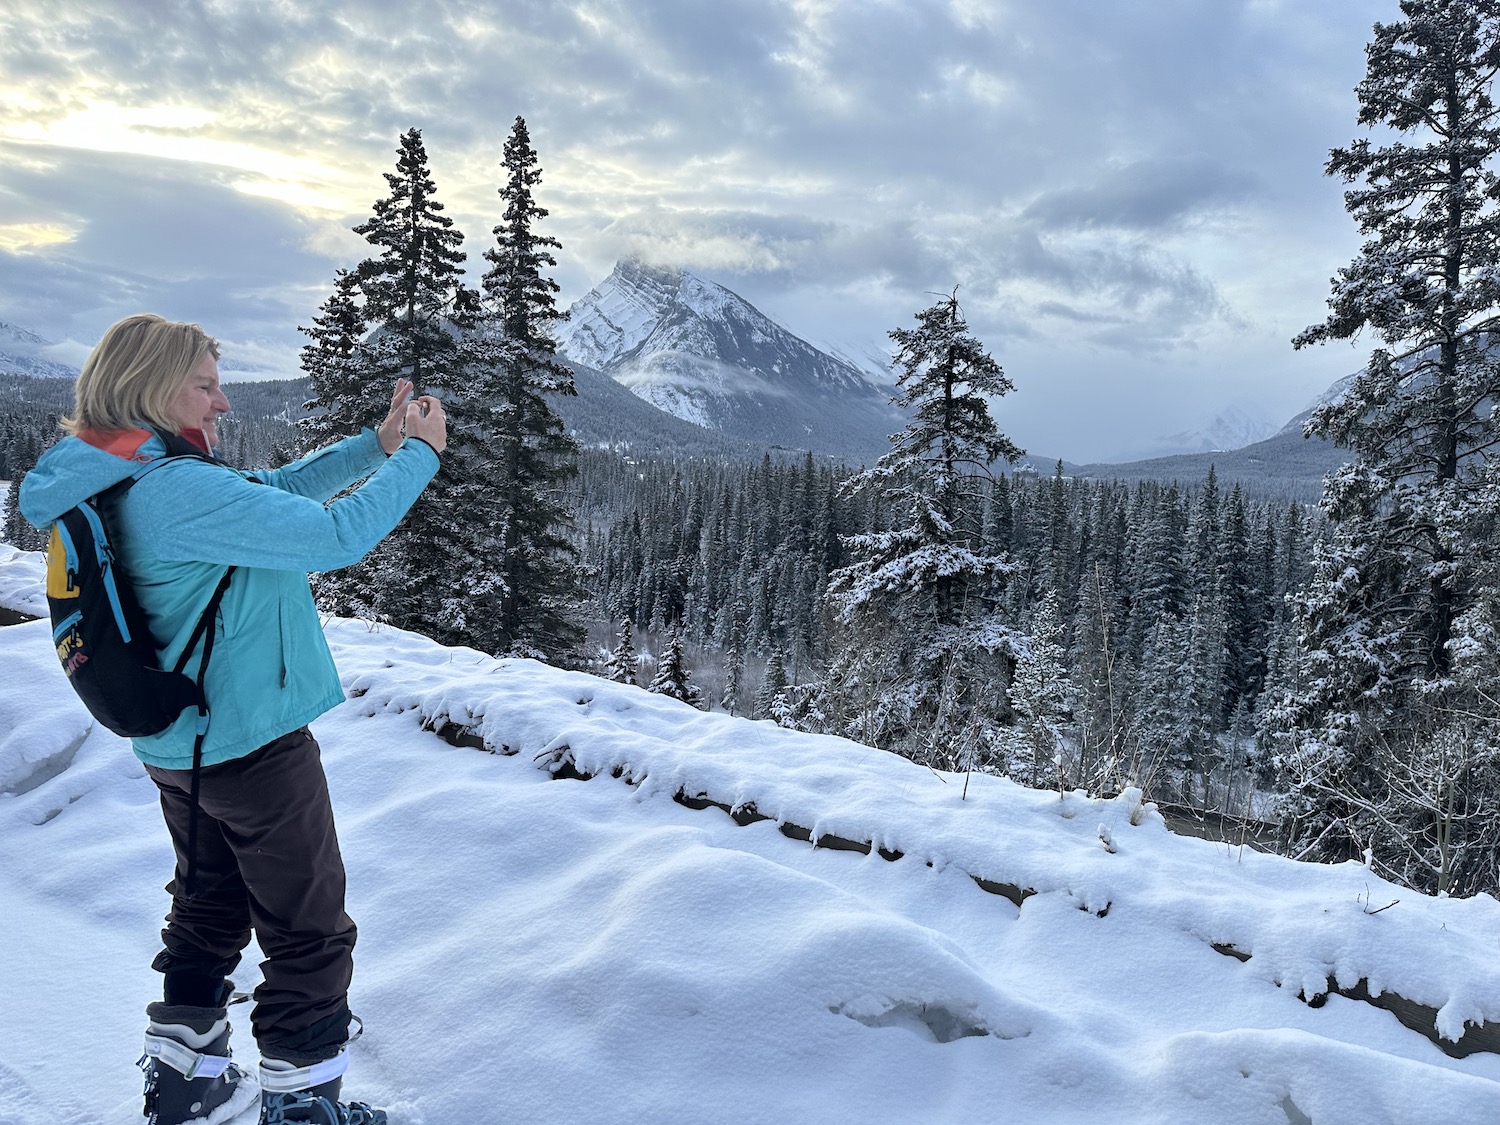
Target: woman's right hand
x=425, y=419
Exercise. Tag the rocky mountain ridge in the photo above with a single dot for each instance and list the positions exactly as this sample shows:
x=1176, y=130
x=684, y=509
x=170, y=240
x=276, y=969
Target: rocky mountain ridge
x=702, y=353
x=22, y=351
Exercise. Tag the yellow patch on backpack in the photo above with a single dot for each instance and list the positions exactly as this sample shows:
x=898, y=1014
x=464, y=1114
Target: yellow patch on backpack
x=59, y=578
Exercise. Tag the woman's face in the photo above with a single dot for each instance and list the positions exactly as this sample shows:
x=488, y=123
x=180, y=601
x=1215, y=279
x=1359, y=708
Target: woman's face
x=199, y=402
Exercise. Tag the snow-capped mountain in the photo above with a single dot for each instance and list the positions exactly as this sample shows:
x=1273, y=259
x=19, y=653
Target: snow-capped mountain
x=1232, y=428
x=23, y=351
x=704, y=354
x=1332, y=394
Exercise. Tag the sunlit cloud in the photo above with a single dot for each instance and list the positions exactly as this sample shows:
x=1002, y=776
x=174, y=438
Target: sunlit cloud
x=21, y=237
x=172, y=132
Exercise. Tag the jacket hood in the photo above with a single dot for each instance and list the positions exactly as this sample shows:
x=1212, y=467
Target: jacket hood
x=80, y=466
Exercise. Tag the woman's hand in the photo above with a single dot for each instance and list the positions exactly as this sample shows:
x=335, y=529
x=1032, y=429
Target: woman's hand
x=425, y=420
x=390, y=430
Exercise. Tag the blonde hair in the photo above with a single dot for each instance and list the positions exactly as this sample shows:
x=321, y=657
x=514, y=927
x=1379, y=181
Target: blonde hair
x=134, y=373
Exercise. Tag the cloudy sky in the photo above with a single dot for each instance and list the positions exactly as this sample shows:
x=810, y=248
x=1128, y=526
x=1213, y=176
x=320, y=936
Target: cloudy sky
x=1129, y=193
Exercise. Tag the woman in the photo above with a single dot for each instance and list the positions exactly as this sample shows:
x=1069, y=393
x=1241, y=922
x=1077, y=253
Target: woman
x=257, y=850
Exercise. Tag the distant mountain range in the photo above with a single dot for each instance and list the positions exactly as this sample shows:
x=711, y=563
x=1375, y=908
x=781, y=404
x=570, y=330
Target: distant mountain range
x=705, y=355
x=1286, y=465
x=1233, y=428
x=21, y=351
x=667, y=362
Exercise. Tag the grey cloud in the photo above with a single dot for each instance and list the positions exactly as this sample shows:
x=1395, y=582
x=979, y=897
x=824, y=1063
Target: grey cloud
x=775, y=249
x=162, y=235
x=885, y=101
x=1145, y=195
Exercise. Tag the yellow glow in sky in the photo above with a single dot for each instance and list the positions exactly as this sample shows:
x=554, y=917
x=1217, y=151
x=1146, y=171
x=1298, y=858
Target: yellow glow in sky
x=186, y=133
x=21, y=237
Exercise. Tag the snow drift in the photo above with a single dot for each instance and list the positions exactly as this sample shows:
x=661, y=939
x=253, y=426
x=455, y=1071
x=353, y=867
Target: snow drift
x=561, y=921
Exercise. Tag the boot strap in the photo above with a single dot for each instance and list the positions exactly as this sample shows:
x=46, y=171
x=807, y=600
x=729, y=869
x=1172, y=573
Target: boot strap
x=304, y=1077
x=186, y=1061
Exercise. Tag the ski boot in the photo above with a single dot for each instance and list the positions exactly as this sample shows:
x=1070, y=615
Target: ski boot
x=292, y=1093
x=189, y=1074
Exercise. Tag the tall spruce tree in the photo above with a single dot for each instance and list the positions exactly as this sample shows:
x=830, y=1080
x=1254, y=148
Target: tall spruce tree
x=413, y=287
x=1103, y=675
x=622, y=667
x=399, y=314
x=672, y=676
x=920, y=599
x=523, y=455
x=1401, y=569
x=343, y=390
x=1041, y=693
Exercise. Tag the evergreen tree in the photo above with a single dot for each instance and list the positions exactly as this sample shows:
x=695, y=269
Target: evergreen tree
x=514, y=454
x=734, y=673
x=1401, y=568
x=771, y=699
x=1203, y=684
x=920, y=599
x=622, y=662
x=413, y=288
x=733, y=615
x=399, y=315
x=1041, y=694
x=1103, y=675
x=343, y=390
x=1165, y=720
x=672, y=676
x=18, y=532
x=1241, y=588
x=1161, y=573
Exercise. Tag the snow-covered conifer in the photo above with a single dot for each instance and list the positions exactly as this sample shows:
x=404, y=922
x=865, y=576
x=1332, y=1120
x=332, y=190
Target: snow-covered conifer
x=398, y=314
x=1102, y=676
x=919, y=597
x=518, y=455
x=622, y=661
x=344, y=397
x=734, y=673
x=771, y=699
x=672, y=675
x=18, y=532
x=1041, y=695
x=1410, y=526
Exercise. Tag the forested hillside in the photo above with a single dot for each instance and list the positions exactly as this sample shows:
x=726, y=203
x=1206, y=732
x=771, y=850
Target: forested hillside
x=1166, y=601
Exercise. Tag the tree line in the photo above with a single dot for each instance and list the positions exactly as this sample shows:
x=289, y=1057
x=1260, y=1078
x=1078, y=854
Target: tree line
x=1164, y=605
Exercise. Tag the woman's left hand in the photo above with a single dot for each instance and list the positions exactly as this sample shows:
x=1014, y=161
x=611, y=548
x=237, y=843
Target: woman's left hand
x=390, y=430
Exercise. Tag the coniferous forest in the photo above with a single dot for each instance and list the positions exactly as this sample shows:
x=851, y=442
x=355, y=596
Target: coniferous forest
x=1322, y=678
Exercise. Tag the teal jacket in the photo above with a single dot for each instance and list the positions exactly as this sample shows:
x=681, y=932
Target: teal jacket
x=179, y=526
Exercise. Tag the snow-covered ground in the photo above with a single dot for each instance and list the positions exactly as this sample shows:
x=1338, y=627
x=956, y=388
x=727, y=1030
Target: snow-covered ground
x=558, y=950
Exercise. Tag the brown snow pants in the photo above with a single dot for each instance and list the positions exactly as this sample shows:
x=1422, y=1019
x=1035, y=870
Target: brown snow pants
x=268, y=858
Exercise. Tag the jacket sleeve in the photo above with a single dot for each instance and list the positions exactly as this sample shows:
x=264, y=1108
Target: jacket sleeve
x=191, y=511
x=326, y=472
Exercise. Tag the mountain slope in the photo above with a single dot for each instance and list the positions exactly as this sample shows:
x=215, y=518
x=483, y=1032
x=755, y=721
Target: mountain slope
x=1232, y=428
x=704, y=354
x=1286, y=466
x=604, y=413
x=21, y=353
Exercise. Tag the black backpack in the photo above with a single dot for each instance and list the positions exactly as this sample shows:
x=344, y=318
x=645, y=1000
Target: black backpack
x=100, y=630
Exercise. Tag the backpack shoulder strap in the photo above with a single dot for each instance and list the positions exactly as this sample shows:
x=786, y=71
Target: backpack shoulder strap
x=178, y=448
